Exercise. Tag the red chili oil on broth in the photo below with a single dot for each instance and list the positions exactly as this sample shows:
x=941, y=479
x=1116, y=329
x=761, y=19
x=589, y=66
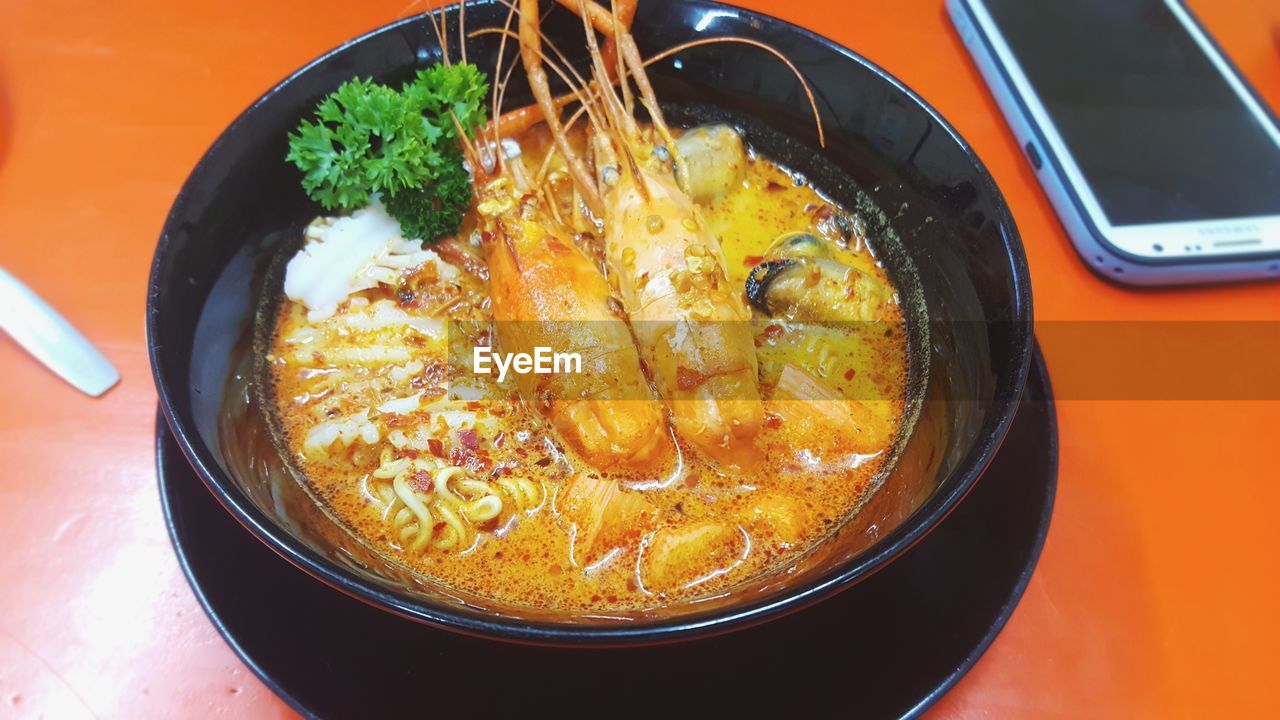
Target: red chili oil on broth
x=509, y=511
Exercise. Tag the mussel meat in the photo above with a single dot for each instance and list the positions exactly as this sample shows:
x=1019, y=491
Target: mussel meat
x=714, y=159
x=800, y=279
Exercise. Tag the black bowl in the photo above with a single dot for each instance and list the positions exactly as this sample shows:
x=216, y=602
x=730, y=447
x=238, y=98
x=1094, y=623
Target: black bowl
x=947, y=240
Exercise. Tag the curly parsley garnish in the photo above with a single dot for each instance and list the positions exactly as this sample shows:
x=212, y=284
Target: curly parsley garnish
x=368, y=138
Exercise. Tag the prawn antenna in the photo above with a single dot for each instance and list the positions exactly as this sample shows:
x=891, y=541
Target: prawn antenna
x=611, y=50
x=564, y=63
x=441, y=37
x=612, y=106
x=574, y=90
x=623, y=123
x=470, y=153
x=808, y=92
x=462, y=29
x=500, y=88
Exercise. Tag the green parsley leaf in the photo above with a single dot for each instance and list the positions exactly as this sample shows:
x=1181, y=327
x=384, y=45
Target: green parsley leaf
x=460, y=89
x=367, y=138
x=436, y=210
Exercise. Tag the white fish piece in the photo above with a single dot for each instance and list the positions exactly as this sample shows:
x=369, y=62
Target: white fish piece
x=345, y=255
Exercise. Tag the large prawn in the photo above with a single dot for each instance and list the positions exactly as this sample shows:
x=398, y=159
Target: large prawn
x=546, y=292
x=690, y=324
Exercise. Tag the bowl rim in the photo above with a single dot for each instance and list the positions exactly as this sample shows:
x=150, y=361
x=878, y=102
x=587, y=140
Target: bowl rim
x=457, y=617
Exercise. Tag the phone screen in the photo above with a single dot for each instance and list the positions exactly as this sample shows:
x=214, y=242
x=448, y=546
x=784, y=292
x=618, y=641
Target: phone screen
x=1155, y=128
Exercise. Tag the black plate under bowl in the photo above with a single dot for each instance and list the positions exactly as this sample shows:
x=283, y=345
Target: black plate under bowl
x=888, y=647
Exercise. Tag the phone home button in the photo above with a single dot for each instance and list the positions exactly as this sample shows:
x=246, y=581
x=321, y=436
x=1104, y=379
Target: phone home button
x=1033, y=155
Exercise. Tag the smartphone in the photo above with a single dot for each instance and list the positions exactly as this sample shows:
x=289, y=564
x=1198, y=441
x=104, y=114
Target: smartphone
x=1161, y=161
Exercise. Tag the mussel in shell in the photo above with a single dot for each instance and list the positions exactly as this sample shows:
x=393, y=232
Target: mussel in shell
x=800, y=244
x=800, y=279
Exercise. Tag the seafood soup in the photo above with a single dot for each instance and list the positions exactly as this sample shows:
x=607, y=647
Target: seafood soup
x=736, y=366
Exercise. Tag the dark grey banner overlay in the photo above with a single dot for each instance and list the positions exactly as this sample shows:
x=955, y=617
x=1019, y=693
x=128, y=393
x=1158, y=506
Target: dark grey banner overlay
x=1088, y=360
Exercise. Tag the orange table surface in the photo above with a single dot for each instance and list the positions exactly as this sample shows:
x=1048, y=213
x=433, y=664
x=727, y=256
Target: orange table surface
x=1157, y=594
